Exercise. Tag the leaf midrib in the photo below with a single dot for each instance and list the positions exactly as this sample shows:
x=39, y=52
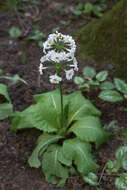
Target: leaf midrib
x=76, y=113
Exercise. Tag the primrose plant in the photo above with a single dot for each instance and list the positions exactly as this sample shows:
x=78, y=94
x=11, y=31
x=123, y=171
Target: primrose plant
x=69, y=123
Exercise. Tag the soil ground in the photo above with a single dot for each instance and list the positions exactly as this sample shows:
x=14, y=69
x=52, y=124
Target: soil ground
x=15, y=148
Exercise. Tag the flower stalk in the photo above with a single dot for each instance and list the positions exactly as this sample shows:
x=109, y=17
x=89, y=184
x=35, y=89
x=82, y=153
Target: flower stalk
x=59, y=49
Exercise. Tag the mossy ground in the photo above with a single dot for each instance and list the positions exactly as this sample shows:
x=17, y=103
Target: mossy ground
x=106, y=39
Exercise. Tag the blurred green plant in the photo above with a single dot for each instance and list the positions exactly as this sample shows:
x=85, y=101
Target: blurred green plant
x=110, y=91
x=6, y=107
x=15, y=4
x=38, y=36
x=97, y=10
x=114, y=166
x=15, y=32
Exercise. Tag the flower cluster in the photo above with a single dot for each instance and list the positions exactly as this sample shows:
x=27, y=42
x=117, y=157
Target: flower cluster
x=59, y=49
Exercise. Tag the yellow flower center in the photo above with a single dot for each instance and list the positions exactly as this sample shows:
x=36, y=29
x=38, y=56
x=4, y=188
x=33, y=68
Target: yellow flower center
x=55, y=80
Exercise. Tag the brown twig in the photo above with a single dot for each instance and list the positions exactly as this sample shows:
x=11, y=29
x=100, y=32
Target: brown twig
x=102, y=173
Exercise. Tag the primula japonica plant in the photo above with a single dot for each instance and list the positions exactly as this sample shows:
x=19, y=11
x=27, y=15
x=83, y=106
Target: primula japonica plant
x=69, y=123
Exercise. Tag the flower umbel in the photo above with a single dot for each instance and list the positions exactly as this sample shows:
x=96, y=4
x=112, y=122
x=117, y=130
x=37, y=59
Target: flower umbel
x=59, y=49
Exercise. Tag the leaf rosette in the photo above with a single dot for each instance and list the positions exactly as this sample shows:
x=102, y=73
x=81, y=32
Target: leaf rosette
x=59, y=150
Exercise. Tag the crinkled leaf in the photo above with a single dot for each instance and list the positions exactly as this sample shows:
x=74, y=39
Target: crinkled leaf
x=6, y=110
x=79, y=107
x=121, y=182
x=63, y=159
x=121, y=152
x=89, y=129
x=52, y=167
x=107, y=85
x=110, y=96
x=124, y=163
x=44, y=115
x=120, y=85
x=42, y=144
x=4, y=91
x=89, y=72
x=101, y=76
x=91, y=179
x=121, y=155
x=79, y=152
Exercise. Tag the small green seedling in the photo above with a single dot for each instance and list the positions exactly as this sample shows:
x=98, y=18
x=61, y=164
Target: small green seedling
x=15, y=32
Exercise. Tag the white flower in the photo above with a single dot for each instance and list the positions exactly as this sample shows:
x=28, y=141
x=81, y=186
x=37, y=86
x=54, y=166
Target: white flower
x=55, y=79
x=75, y=64
x=57, y=57
x=41, y=68
x=69, y=74
x=43, y=59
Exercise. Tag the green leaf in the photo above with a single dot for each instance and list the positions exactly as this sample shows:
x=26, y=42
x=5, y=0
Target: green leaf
x=121, y=182
x=89, y=129
x=121, y=152
x=77, y=12
x=79, y=107
x=48, y=104
x=89, y=72
x=125, y=96
x=40, y=44
x=79, y=152
x=44, y=115
x=110, y=96
x=6, y=109
x=15, y=32
x=107, y=86
x=94, y=83
x=124, y=132
x=91, y=179
x=101, y=76
x=86, y=86
x=37, y=36
x=120, y=85
x=121, y=155
x=112, y=166
x=14, y=79
x=52, y=167
x=42, y=144
x=88, y=7
x=4, y=91
x=80, y=6
x=78, y=80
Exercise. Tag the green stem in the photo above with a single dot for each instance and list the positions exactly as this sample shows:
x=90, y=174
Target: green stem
x=61, y=100
x=58, y=70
